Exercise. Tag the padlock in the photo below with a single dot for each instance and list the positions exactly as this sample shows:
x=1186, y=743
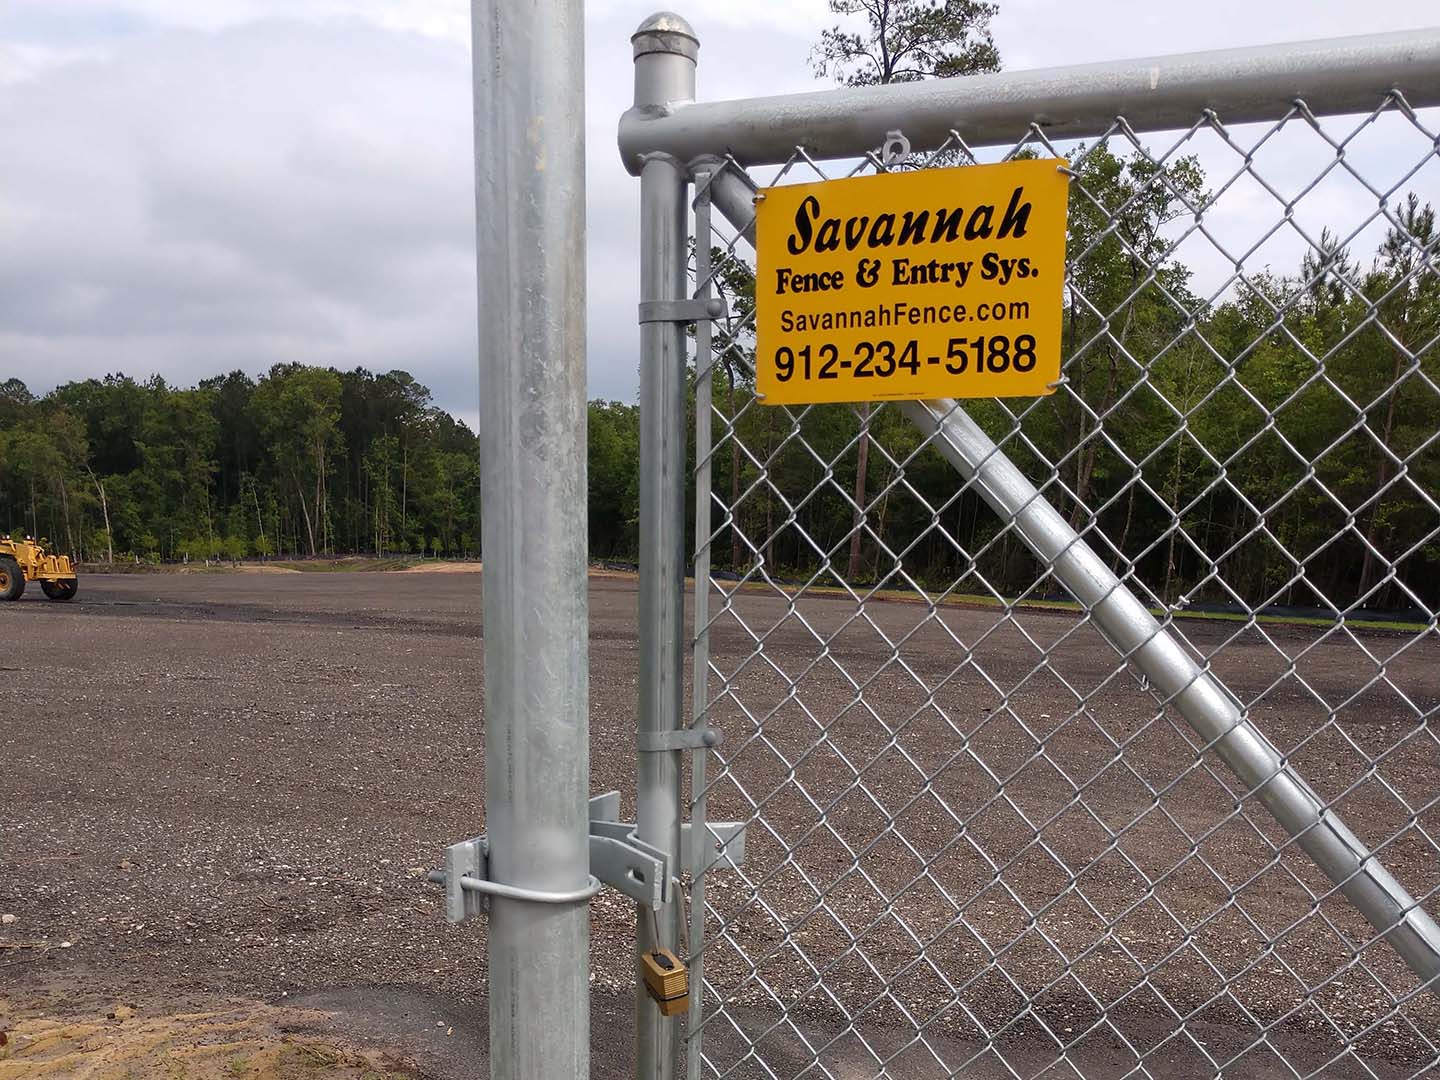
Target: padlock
x=666, y=980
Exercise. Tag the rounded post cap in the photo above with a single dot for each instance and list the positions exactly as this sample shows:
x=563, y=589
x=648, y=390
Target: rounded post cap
x=666, y=32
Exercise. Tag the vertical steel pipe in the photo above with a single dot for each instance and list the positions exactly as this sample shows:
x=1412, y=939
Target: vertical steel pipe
x=665, y=49
x=700, y=844
x=530, y=245
x=662, y=573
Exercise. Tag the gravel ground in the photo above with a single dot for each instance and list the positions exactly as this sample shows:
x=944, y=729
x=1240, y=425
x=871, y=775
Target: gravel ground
x=223, y=787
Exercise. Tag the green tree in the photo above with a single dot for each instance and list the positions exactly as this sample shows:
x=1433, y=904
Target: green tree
x=906, y=41
x=297, y=410
x=1126, y=298
x=613, y=433
x=15, y=401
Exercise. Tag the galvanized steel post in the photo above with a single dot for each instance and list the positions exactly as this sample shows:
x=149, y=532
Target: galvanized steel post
x=665, y=52
x=530, y=242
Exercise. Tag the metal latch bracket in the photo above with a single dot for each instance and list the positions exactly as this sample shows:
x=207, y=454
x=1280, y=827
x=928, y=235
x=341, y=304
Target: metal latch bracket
x=693, y=738
x=617, y=858
x=682, y=311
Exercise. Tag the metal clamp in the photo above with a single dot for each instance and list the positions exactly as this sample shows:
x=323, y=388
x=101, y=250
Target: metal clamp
x=895, y=150
x=682, y=311
x=467, y=883
x=693, y=738
x=617, y=858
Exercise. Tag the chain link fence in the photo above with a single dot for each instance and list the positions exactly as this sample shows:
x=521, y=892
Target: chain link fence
x=985, y=835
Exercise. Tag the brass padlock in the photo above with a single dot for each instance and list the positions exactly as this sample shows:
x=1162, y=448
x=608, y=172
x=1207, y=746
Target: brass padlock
x=666, y=980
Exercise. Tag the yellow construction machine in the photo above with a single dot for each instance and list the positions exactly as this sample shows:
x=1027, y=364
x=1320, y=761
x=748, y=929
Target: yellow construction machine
x=27, y=560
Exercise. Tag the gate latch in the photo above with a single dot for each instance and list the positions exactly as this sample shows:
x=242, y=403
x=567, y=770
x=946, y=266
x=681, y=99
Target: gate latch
x=617, y=858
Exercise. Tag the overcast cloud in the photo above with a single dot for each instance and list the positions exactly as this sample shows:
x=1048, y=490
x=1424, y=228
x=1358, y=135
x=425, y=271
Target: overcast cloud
x=187, y=188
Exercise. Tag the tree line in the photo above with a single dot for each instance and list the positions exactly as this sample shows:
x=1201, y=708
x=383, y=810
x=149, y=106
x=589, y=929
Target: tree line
x=304, y=461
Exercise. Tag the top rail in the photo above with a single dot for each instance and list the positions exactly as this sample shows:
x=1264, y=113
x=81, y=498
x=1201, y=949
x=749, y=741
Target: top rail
x=1334, y=76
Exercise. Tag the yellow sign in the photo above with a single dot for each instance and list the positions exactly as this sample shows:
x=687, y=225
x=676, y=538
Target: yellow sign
x=925, y=284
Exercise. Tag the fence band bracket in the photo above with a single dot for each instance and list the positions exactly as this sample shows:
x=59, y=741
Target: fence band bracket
x=467, y=884
x=693, y=738
x=617, y=858
x=682, y=311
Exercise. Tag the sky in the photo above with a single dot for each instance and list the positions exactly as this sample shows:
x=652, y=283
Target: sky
x=187, y=188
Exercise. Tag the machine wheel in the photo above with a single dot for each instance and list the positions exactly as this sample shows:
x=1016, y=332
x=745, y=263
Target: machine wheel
x=12, y=581
x=60, y=590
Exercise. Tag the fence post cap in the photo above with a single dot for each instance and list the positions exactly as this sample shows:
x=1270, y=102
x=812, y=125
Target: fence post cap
x=665, y=32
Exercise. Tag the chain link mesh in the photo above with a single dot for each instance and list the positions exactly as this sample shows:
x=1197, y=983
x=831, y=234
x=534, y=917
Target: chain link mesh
x=977, y=843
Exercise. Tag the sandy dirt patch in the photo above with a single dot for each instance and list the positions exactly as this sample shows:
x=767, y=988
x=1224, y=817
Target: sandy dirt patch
x=443, y=568
x=253, y=1042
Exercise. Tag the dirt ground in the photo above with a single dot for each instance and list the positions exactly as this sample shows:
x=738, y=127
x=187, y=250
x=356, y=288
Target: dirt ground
x=220, y=794
x=251, y=1041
